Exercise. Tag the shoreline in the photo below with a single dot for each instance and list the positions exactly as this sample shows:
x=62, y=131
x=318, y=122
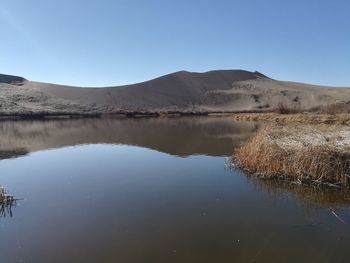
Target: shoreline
x=245, y=115
x=120, y=114
x=296, y=118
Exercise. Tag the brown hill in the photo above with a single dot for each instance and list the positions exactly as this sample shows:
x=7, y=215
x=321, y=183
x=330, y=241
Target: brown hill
x=221, y=90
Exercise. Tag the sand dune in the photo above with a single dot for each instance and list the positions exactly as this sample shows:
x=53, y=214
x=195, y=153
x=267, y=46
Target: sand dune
x=221, y=90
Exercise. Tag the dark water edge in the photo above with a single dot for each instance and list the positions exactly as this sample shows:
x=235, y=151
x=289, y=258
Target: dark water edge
x=42, y=115
x=156, y=190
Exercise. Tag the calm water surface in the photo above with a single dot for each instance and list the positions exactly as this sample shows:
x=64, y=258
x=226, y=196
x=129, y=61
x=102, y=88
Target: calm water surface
x=155, y=190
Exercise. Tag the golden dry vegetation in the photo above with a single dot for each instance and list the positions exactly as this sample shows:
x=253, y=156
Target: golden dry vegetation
x=317, y=154
x=303, y=118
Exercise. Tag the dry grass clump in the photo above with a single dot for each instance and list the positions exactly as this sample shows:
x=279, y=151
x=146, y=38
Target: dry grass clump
x=304, y=154
x=6, y=203
x=6, y=199
x=284, y=109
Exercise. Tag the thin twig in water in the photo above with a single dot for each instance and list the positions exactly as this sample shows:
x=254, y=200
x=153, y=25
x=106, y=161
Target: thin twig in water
x=341, y=220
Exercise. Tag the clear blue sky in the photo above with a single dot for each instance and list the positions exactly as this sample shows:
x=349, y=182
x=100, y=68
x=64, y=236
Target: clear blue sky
x=102, y=42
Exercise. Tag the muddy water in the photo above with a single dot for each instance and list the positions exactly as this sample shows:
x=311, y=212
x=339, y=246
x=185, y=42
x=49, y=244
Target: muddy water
x=155, y=190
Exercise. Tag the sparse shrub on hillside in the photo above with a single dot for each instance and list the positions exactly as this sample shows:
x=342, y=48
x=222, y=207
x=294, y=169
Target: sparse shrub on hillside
x=282, y=108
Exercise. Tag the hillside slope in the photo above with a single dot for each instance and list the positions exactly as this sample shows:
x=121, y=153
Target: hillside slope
x=221, y=90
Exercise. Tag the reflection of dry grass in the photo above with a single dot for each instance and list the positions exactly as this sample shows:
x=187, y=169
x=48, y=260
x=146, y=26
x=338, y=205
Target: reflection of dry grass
x=305, y=118
x=319, y=154
x=308, y=195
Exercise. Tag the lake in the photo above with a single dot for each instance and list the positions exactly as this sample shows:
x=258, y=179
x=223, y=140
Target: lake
x=156, y=190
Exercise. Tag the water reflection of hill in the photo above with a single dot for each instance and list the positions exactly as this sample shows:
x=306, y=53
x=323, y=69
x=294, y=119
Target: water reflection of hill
x=215, y=136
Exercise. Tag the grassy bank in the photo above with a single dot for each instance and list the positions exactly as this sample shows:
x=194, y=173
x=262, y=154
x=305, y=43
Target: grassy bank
x=338, y=113
x=317, y=154
x=302, y=118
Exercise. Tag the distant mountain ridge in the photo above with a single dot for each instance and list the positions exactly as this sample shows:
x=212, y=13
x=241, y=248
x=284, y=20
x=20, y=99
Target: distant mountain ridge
x=183, y=91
